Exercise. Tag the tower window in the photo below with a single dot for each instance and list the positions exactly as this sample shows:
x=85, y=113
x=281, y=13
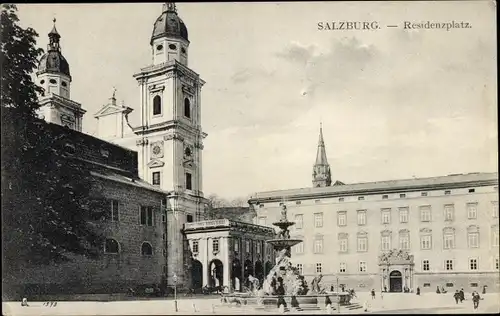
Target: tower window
x=157, y=105
x=187, y=108
x=172, y=47
x=53, y=81
x=183, y=50
x=64, y=84
x=189, y=185
x=42, y=81
x=156, y=178
x=159, y=47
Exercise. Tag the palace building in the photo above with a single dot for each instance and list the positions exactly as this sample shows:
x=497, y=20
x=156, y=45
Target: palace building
x=393, y=235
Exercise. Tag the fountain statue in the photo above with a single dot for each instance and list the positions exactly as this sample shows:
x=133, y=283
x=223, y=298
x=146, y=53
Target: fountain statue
x=283, y=282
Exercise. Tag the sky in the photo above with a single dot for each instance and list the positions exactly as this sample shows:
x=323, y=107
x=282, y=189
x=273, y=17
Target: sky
x=394, y=103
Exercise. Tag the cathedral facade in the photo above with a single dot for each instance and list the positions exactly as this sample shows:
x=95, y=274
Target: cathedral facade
x=166, y=150
x=395, y=235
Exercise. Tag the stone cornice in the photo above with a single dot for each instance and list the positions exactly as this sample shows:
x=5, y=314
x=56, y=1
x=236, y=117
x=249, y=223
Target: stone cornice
x=64, y=102
x=278, y=196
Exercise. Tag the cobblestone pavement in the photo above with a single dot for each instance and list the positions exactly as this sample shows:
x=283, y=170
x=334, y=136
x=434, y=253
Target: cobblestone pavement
x=396, y=303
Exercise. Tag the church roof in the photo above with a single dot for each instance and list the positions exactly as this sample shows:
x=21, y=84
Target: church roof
x=321, y=152
x=169, y=24
x=415, y=184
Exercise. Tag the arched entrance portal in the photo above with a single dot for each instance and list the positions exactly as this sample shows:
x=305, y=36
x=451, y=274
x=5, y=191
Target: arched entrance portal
x=216, y=273
x=259, y=271
x=236, y=275
x=395, y=281
x=197, y=274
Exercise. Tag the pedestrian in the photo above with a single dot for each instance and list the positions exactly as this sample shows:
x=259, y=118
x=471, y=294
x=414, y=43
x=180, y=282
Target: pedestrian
x=475, y=299
x=437, y=290
x=456, y=296
x=462, y=295
x=373, y=294
x=484, y=289
x=418, y=290
x=331, y=288
x=24, y=302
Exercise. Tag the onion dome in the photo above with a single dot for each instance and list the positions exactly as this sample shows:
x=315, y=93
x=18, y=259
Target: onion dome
x=169, y=24
x=53, y=61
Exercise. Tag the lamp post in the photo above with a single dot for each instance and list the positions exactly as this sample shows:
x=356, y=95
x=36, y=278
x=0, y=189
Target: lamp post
x=175, y=292
x=338, y=295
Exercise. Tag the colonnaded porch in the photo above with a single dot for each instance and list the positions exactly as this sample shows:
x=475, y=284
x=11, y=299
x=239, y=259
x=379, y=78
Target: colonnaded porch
x=225, y=253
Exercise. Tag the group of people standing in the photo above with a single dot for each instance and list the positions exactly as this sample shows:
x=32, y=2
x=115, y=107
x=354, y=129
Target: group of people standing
x=460, y=296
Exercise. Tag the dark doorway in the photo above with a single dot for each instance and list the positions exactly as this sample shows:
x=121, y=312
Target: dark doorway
x=395, y=281
x=216, y=273
x=197, y=274
x=259, y=271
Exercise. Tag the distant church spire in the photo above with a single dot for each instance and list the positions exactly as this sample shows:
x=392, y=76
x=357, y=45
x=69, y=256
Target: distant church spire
x=321, y=170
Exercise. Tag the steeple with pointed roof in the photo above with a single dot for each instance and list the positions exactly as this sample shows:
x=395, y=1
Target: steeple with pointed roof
x=321, y=171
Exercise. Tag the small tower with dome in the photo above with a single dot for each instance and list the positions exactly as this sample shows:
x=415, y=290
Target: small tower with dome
x=54, y=77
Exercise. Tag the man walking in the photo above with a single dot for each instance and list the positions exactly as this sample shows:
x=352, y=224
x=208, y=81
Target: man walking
x=456, y=296
x=373, y=294
x=475, y=299
x=462, y=295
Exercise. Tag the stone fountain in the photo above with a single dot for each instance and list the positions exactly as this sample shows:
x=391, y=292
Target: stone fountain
x=284, y=285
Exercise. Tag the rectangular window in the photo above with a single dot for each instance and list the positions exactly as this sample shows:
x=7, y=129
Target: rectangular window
x=471, y=210
x=425, y=213
x=114, y=211
x=473, y=239
x=298, y=202
x=318, y=219
x=299, y=248
x=300, y=268
x=386, y=216
x=147, y=215
x=189, y=218
x=472, y=190
x=423, y=193
x=404, y=241
x=343, y=267
x=449, y=212
x=425, y=265
x=262, y=220
x=449, y=265
x=473, y=264
x=343, y=245
x=195, y=246
x=449, y=241
x=299, y=221
x=319, y=268
x=361, y=198
x=318, y=246
x=189, y=184
x=402, y=195
x=426, y=242
x=341, y=199
x=362, y=266
x=362, y=217
x=342, y=218
x=362, y=244
x=386, y=243
x=385, y=197
x=156, y=178
x=447, y=192
x=236, y=245
x=403, y=215
x=215, y=245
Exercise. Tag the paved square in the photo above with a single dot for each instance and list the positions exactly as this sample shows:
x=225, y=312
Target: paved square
x=390, y=304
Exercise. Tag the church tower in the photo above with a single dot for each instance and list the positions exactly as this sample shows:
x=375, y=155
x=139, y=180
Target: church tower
x=321, y=171
x=54, y=77
x=170, y=138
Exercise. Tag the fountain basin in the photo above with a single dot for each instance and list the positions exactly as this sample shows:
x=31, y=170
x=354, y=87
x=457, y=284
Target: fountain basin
x=283, y=243
x=342, y=298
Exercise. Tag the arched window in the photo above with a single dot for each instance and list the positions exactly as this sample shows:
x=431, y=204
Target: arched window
x=146, y=249
x=111, y=246
x=187, y=108
x=157, y=105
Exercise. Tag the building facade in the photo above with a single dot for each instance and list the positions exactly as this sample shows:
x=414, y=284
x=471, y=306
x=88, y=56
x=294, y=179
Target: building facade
x=226, y=252
x=394, y=235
